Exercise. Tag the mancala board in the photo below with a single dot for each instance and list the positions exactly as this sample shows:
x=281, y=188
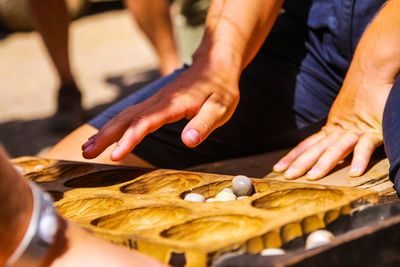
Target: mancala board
x=144, y=209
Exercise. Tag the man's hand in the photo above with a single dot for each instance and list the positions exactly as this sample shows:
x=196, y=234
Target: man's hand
x=354, y=125
x=207, y=94
x=207, y=97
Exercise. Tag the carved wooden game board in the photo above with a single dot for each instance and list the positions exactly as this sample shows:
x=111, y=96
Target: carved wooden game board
x=144, y=208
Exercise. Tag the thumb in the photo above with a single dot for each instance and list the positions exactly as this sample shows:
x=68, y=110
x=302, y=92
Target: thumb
x=212, y=114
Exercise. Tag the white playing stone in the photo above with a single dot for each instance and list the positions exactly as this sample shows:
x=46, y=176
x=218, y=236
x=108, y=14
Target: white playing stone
x=319, y=238
x=38, y=167
x=272, y=252
x=242, y=197
x=225, y=196
x=194, y=197
x=211, y=199
x=228, y=189
x=242, y=185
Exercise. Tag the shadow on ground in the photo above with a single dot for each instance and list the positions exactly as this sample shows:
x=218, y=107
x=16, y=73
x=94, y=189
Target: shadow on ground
x=32, y=136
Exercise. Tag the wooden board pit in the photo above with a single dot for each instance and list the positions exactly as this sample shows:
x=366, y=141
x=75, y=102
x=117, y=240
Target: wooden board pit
x=144, y=208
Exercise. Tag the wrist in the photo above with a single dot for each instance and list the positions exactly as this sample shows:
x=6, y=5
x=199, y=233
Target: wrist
x=219, y=59
x=40, y=234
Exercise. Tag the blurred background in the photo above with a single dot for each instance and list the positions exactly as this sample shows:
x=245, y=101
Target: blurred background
x=110, y=57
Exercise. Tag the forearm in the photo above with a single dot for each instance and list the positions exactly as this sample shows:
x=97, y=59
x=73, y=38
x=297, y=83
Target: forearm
x=15, y=208
x=378, y=53
x=374, y=67
x=234, y=31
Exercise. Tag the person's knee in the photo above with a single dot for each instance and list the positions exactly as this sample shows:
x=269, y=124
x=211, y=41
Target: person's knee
x=69, y=148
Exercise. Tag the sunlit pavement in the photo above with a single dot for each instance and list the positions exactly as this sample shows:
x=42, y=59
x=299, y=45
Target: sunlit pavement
x=109, y=55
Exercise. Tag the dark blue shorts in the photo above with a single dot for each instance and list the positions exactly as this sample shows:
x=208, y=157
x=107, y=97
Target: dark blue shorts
x=285, y=92
x=391, y=133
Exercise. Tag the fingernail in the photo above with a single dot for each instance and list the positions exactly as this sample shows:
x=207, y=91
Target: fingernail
x=313, y=173
x=88, y=148
x=355, y=171
x=291, y=173
x=88, y=143
x=192, y=136
x=278, y=167
x=114, y=154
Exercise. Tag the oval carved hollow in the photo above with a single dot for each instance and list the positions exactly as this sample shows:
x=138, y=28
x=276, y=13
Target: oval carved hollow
x=30, y=164
x=215, y=229
x=130, y=221
x=298, y=198
x=105, y=178
x=92, y=207
x=166, y=183
x=60, y=171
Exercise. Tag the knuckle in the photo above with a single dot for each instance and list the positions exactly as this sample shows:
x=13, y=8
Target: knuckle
x=333, y=149
x=324, y=163
x=366, y=147
x=220, y=106
x=122, y=116
x=303, y=160
x=230, y=97
x=313, y=152
x=140, y=121
x=203, y=125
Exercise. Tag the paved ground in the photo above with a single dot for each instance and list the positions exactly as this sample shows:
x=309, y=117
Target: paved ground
x=110, y=57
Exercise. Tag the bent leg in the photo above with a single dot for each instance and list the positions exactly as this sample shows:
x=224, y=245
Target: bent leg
x=154, y=19
x=51, y=19
x=391, y=132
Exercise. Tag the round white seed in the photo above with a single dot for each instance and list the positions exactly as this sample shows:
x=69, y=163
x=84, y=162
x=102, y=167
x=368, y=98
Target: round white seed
x=211, y=199
x=272, y=252
x=225, y=196
x=242, y=185
x=228, y=189
x=194, y=197
x=38, y=167
x=319, y=238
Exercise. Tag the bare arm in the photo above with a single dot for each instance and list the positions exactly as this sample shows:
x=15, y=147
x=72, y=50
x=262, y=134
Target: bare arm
x=234, y=32
x=208, y=92
x=355, y=119
x=15, y=208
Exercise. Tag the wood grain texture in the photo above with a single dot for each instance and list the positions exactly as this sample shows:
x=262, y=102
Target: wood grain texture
x=144, y=208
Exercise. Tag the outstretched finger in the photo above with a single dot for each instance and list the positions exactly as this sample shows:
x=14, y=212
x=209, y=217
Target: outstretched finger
x=363, y=152
x=287, y=160
x=111, y=132
x=306, y=160
x=333, y=155
x=215, y=111
x=145, y=123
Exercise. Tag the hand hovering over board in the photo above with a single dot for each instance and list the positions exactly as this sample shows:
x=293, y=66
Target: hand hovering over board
x=355, y=120
x=206, y=94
